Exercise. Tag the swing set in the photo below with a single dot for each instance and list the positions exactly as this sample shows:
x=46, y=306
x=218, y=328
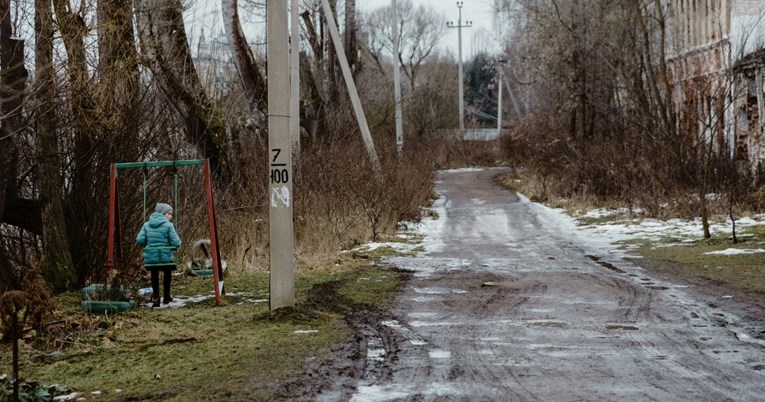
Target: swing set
x=114, y=248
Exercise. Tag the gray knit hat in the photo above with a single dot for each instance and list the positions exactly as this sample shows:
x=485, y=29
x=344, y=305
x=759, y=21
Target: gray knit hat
x=163, y=208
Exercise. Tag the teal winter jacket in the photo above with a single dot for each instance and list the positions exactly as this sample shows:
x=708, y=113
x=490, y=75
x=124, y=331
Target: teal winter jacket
x=158, y=238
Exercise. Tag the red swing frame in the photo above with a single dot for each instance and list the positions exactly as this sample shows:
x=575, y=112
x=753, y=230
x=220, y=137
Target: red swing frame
x=114, y=241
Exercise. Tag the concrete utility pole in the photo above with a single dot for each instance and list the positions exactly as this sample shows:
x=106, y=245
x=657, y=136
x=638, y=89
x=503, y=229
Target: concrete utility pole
x=295, y=78
x=499, y=96
x=282, y=280
x=459, y=27
x=355, y=101
x=397, y=82
x=512, y=97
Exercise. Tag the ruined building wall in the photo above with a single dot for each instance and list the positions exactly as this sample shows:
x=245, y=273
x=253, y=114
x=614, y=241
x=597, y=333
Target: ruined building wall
x=715, y=101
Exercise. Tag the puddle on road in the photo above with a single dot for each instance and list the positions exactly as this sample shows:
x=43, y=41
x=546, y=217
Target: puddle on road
x=373, y=393
x=392, y=324
x=418, y=324
x=413, y=338
x=438, y=291
x=621, y=327
x=376, y=354
x=540, y=310
x=421, y=315
x=606, y=264
x=546, y=324
x=440, y=354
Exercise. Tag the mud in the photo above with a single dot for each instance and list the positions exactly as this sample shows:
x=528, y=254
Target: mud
x=509, y=303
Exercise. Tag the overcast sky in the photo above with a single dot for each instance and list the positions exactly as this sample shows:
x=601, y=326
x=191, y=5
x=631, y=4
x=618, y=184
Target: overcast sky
x=205, y=14
x=480, y=12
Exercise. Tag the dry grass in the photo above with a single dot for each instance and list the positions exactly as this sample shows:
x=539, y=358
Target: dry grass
x=685, y=206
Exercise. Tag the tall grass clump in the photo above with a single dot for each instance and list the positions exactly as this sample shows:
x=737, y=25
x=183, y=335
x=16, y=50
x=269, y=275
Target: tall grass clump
x=339, y=200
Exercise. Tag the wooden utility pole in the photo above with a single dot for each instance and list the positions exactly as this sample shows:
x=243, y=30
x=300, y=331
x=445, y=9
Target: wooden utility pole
x=282, y=280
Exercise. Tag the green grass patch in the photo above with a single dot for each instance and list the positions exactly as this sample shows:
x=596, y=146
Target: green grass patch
x=237, y=351
x=745, y=272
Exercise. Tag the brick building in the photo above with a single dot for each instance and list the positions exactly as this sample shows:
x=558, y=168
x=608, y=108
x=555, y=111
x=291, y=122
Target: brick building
x=717, y=67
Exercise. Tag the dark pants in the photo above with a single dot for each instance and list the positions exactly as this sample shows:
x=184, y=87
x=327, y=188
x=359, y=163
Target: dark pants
x=168, y=270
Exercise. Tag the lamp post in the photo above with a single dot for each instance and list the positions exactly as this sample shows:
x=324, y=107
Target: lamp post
x=461, y=90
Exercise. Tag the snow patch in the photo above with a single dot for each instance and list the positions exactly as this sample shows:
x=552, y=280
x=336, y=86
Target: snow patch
x=736, y=251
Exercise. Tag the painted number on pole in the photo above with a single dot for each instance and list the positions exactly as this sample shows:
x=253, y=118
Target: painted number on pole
x=280, y=195
x=279, y=172
x=279, y=176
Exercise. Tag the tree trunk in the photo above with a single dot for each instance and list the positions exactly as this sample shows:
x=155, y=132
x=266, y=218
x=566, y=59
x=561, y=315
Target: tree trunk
x=331, y=90
x=118, y=89
x=163, y=40
x=349, y=36
x=254, y=84
x=82, y=118
x=60, y=273
x=312, y=74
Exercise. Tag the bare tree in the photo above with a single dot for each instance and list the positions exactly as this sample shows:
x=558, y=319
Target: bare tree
x=349, y=35
x=164, y=42
x=320, y=72
x=117, y=77
x=420, y=30
x=60, y=270
x=252, y=78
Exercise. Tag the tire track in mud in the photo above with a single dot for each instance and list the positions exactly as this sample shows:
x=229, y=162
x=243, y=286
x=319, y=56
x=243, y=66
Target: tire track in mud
x=506, y=304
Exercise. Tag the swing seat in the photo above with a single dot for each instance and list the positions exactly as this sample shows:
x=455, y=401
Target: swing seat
x=103, y=299
x=203, y=268
x=201, y=263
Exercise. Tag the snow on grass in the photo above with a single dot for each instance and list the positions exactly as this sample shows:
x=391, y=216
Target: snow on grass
x=736, y=251
x=614, y=227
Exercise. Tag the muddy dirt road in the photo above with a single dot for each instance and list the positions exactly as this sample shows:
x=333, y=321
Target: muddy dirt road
x=507, y=304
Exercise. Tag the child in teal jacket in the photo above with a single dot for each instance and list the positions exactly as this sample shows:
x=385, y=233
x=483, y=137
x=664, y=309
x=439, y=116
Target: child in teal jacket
x=159, y=239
